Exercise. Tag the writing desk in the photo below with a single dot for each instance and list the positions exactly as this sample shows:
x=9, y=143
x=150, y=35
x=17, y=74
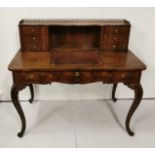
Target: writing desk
x=75, y=52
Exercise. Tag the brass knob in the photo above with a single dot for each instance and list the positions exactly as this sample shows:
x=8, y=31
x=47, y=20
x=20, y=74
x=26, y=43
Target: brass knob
x=30, y=76
x=33, y=29
x=116, y=30
x=123, y=75
x=34, y=46
x=115, y=38
x=114, y=46
x=34, y=38
x=77, y=74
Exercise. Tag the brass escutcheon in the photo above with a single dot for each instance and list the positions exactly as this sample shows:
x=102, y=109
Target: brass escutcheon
x=30, y=76
x=77, y=74
x=123, y=75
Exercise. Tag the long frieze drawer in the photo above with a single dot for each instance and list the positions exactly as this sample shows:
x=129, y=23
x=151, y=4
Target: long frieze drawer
x=74, y=77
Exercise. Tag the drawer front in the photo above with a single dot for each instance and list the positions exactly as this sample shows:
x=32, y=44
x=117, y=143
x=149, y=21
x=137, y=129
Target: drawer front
x=31, y=46
x=77, y=77
x=27, y=30
x=74, y=77
x=116, y=77
x=34, y=77
x=34, y=38
x=31, y=38
x=34, y=43
x=115, y=38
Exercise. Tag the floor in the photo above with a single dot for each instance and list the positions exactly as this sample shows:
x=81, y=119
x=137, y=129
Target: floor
x=87, y=123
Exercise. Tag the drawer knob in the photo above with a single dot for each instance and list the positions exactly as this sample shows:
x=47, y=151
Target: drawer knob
x=123, y=75
x=115, y=38
x=34, y=46
x=34, y=38
x=33, y=29
x=114, y=46
x=116, y=30
x=30, y=76
x=77, y=74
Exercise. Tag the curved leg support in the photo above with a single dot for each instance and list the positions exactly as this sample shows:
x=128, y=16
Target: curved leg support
x=32, y=93
x=113, y=92
x=138, y=91
x=14, y=95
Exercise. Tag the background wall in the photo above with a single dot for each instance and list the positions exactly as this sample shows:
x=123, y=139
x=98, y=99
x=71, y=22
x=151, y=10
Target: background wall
x=142, y=43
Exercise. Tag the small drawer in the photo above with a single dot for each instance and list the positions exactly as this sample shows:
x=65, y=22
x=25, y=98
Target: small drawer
x=31, y=46
x=30, y=29
x=77, y=77
x=30, y=38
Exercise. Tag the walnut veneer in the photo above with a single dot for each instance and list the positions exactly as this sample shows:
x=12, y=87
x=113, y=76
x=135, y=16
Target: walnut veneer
x=75, y=52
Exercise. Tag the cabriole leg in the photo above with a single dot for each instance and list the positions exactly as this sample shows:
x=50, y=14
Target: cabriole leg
x=138, y=91
x=14, y=95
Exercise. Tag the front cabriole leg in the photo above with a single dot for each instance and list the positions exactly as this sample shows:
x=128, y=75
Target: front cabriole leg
x=32, y=93
x=14, y=95
x=138, y=91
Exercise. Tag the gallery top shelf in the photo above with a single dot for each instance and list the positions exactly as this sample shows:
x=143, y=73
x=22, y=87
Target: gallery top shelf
x=75, y=22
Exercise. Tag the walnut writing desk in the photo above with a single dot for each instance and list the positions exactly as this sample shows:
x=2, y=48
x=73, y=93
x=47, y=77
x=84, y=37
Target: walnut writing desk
x=75, y=52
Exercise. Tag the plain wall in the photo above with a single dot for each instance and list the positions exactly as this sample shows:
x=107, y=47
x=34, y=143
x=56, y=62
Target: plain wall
x=141, y=42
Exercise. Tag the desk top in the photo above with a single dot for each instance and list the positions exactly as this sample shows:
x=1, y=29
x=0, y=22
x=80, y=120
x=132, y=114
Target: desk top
x=45, y=61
